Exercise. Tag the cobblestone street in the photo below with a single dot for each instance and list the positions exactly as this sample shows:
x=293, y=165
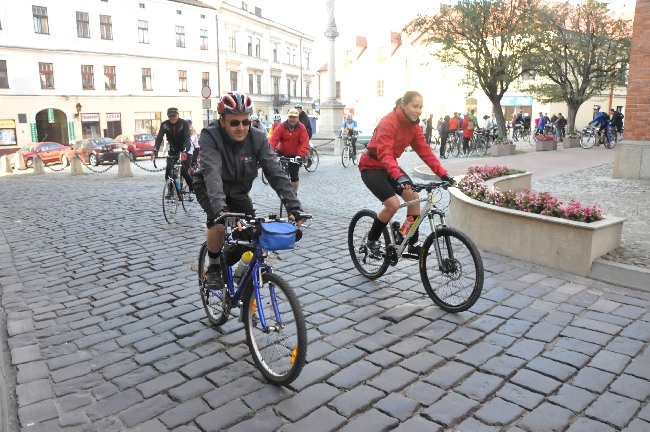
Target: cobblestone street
x=105, y=330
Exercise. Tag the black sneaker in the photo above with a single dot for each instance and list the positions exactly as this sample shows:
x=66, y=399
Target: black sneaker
x=213, y=277
x=374, y=247
x=415, y=249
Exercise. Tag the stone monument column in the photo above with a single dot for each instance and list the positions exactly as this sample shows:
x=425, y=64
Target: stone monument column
x=331, y=110
x=632, y=158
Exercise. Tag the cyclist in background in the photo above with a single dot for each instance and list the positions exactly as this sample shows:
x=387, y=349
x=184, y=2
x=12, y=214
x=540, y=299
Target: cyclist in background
x=231, y=151
x=601, y=119
x=193, y=152
x=616, y=119
x=257, y=124
x=381, y=173
x=304, y=119
x=177, y=132
x=290, y=139
x=276, y=122
x=349, y=128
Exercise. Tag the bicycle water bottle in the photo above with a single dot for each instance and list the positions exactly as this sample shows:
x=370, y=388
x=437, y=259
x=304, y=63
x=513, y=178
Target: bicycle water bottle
x=178, y=184
x=406, y=226
x=242, y=266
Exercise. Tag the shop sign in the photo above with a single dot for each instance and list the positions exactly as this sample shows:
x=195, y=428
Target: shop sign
x=517, y=101
x=7, y=124
x=89, y=117
x=113, y=117
x=71, y=131
x=50, y=115
x=32, y=129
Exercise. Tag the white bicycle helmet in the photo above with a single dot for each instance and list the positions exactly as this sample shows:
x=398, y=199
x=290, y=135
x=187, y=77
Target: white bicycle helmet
x=277, y=117
x=235, y=103
x=254, y=117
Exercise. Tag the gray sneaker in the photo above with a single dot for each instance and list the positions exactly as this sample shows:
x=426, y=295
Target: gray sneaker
x=415, y=249
x=374, y=247
x=213, y=277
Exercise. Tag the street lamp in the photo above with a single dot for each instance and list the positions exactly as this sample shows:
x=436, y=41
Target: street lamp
x=78, y=107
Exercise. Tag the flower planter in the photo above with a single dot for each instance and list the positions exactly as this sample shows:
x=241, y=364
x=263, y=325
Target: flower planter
x=503, y=149
x=571, y=142
x=545, y=145
x=553, y=242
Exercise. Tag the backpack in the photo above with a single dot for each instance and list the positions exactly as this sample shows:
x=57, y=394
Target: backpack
x=470, y=125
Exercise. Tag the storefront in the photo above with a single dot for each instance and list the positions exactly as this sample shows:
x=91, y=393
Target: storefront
x=90, y=126
x=7, y=132
x=113, y=125
x=513, y=104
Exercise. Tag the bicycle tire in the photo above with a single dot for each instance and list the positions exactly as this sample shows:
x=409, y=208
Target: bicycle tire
x=434, y=143
x=613, y=138
x=457, y=288
x=170, y=205
x=588, y=142
x=355, y=156
x=313, y=160
x=369, y=267
x=480, y=146
x=345, y=156
x=181, y=194
x=455, y=149
x=280, y=351
x=215, y=304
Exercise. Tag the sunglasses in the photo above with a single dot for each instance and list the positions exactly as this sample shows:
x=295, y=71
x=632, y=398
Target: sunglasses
x=235, y=123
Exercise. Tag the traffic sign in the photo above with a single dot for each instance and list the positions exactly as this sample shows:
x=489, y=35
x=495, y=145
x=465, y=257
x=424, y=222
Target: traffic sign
x=206, y=92
x=206, y=104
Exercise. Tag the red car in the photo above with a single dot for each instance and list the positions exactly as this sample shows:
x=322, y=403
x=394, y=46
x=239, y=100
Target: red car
x=140, y=144
x=94, y=151
x=50, y=152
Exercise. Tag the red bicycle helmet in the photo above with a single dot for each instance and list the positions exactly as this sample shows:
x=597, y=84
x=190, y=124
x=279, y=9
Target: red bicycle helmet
x=235, y=103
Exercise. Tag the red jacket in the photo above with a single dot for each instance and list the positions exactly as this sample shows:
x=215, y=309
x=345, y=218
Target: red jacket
x=290, y=142
x=389, y=140
x=466, y=132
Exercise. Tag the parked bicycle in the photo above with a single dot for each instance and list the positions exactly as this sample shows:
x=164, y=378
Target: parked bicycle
x=276, y=333
x=349, y=151
x=451, y=267
x=175, y=192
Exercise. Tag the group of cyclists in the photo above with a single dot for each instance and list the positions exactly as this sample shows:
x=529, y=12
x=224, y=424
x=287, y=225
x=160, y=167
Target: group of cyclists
x=231, y=151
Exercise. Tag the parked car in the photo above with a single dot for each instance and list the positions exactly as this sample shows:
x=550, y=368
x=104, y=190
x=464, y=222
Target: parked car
x=94, y=151
x=139, y=144
x=49, y=152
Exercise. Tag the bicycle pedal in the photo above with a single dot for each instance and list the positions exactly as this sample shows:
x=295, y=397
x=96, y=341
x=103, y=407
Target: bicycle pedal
x=407, y=255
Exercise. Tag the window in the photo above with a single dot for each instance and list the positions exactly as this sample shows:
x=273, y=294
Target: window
x=180, y=36
x=141, y=5
x=110, y=81
x=249, y=47
x=106, y=27
x=87, y=77
x=146, y=79
x=288, y=55
x=204, y=39
x=46, y=70
x=288, y=86
x=143, y=32
x=258, y=50
x=307, y=61
x=380, y=88
x=293, y=56
x=205, y=79
x=276, y=85
x=251, y=81
x=232, y=41
x=40, y=20
x=259, y=84
x=179, y=12
x=275, y=52
x=294, y=83
x=182, y=81
x=233, y=81
x=4, y=80
x=83, y=25
x=202, y=16
x=307, y=84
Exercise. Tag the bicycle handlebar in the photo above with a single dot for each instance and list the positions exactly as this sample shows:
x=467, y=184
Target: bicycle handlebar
x=417, y=187
x=231, y=219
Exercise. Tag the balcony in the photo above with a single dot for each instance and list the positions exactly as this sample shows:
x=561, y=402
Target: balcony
x=280, y=99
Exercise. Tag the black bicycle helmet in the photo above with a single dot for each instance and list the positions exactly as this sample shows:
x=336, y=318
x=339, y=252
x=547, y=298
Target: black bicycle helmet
x=235, y=103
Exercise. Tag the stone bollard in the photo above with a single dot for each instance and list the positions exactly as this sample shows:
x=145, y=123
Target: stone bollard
x=5, y=165
x=19, y=162
x=39, y=167
x=75, y=165
x=123, y=166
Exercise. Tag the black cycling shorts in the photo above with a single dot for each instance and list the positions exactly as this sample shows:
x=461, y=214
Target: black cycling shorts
x=236, y=204
x=380, y=183
x=292, y=168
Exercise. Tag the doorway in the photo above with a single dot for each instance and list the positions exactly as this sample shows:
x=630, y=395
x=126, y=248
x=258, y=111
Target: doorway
x=52, y=126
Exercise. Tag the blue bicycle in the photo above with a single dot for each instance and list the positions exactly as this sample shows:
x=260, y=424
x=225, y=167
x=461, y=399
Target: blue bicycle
x=276, y=333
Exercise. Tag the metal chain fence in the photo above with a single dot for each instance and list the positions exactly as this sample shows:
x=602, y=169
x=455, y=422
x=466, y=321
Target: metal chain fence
x=148, y=169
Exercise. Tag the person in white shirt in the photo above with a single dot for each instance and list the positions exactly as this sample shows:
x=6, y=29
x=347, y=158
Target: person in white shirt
x=257, y=124
x=193, y=152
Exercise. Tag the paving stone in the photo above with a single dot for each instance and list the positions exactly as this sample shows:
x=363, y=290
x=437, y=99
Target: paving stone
x=135, y=377
x=393, y=379
x=465, y=336
x=499, y=412
x=588, y=425
x=637, y=425
x=104, y=390
x=354, y=374
x=450, y=410
x=520, y=396
x=447, y=349
x=238, y=388
x=610, y=361
x=314, y=372
x=25, y=354
x=344, y=356
x=205, y=365
x=613, y=409
x=267, y=396
x=504, y=365
x=371, y=421
x=449, y=374
x=375, y=342
x=587, y=335
x=479, y=353
x=546, y=418
x=593, y=379
x=623, y=345
x=535, y=381
x=74, y=401
x=262, y=421
x=632, y=387
x=321, y=420
x=424, y=393
x=418, y=424
x=526, y=349
x=223, y=417
x=639, y=367
x=352, y=402
x=160, y=384
x=544, y=331
x=551, y=368
x=34, y=391
x=184, y=413
x=566, y=356
x=573, y=398
x=32, y=371
x=159, y=353
x=420, y=363
x=306, y=401
x=479, y=386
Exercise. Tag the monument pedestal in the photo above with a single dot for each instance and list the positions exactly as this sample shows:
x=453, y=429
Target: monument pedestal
x=329, y=123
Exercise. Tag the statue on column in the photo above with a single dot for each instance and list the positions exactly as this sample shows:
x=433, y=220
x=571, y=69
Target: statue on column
x=331, y=31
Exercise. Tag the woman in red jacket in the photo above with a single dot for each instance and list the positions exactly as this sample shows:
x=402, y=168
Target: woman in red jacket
x=467, y=133
x=381, y=173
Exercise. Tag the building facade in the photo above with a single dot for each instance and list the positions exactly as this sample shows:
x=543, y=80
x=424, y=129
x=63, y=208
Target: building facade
x=89, y=68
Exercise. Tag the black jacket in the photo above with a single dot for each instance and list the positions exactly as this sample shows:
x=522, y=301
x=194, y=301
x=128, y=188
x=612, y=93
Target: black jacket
x=229, y=168
x=178, y=136
x=304, y=119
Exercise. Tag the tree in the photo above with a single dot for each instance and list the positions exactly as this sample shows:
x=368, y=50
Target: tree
x=488, y=38
x=582, y=51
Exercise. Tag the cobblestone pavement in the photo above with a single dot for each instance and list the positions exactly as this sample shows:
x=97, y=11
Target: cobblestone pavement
x=105, y=330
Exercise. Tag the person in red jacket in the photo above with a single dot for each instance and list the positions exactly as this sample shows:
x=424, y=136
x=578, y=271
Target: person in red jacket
x=381, y=173
x=468, y=133
x=291, y=139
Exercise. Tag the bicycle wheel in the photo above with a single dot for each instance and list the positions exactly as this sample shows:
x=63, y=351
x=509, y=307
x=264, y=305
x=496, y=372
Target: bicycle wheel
x=345, y=156
x=454, y=284
x=279, y=348
x=170, y=201
x=182, y=194
x=455, y=148
x=480, y=146
x=434, y=143
x=613, y=138
x=312, y=160
x=588, y=141
x=368, y=266
x=215, y=303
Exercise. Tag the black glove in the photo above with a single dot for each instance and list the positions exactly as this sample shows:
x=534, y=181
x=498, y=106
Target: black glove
x=404, y=181
x=297, y=215
x=448, y=179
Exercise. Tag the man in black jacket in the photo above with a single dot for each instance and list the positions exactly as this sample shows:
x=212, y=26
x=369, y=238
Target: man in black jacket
x=304, y=119
x=230, y=153
x=177, y=132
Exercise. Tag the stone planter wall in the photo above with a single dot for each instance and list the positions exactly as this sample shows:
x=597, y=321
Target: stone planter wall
x=571, y=142
x=545, y=145
x=503, y=150
x=552, y=242
x=514, y=182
